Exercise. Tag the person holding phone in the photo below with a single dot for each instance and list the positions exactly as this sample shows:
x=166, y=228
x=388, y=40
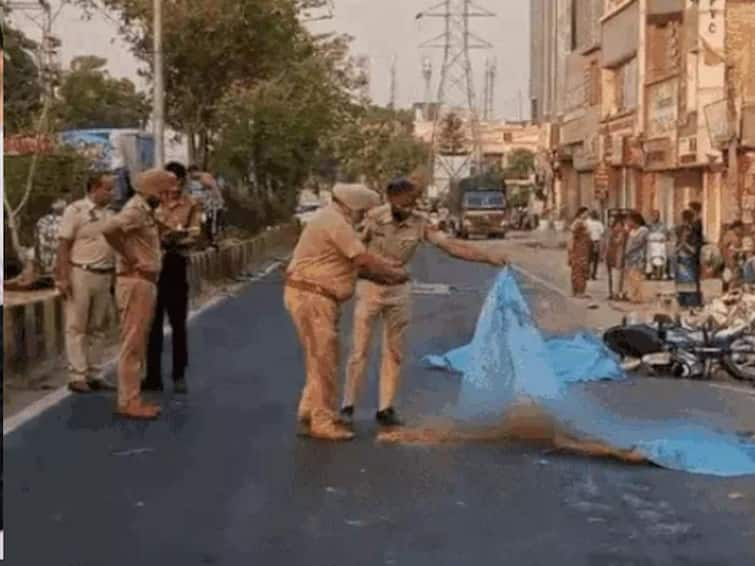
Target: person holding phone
x=179, y=219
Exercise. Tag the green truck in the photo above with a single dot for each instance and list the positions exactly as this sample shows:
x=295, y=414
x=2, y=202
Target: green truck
x=478, y=207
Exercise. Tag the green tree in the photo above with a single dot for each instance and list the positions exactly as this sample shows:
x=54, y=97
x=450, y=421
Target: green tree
x=22, y=85
x=89, y=98
x=521, y=163
x=274, y=134
x=452, y=137
x=210, y=46
x=377, y=144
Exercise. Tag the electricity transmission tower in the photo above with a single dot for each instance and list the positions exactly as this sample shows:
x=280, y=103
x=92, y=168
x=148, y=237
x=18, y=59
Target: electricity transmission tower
x=456, y=99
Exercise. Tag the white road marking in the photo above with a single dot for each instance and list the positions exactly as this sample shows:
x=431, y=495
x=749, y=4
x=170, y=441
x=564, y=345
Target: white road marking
x=746, y=390
x=48, y=401
x=541, y=281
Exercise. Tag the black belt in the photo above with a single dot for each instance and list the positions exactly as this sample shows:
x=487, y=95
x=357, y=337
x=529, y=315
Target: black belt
x=89, y=268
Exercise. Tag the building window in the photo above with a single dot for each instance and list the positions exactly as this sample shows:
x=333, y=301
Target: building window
x=663, y=48
x=625, y=86
x=508, y=137
x=574, y=39
x=593, y=83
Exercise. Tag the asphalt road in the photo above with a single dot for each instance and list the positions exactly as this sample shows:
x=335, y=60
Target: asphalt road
x=221, y=478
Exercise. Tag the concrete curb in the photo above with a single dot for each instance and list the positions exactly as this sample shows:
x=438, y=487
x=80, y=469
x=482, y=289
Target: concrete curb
x=34, y=335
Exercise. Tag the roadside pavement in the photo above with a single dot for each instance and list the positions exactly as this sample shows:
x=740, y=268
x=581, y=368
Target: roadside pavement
x=542, y=254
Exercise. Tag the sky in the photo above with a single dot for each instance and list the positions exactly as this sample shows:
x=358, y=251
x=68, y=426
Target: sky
x=384, y=28
x=381, y=29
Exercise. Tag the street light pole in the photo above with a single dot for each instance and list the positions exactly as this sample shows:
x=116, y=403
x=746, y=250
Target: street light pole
x=158, y=100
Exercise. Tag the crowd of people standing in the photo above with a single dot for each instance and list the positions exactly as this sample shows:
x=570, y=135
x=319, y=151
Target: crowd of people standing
x=624, y=248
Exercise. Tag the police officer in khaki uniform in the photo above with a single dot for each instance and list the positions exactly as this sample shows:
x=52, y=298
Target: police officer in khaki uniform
x=133, y=233
x=321, y=275
x=394, y=231
x=180, y=219
x=84, y=275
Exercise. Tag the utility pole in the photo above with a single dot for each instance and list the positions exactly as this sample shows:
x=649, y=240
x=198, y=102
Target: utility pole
x=490, y=74
x=394, y=86
x=519, y=103
x=427, y=74
x=158, y=99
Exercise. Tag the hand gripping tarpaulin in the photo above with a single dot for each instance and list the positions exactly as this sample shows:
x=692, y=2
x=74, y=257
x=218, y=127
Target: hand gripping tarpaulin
x=509, y=360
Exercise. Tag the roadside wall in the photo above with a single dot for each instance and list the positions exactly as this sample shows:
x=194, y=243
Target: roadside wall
x=33, y=333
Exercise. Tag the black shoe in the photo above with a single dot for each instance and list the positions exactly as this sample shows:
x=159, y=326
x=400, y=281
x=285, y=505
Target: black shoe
x=347, y=416
x=79, y=387
x=388, y=417
x=179, y=386
x=152, y=386
x=101, y=385
x=302, y=427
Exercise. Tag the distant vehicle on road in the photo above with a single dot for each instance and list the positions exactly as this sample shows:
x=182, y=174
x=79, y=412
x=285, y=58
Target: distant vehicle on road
x=478, y=207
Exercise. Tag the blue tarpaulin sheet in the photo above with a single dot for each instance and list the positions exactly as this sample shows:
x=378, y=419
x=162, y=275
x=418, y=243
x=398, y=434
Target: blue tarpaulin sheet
x=509, y=360
x=581, y=358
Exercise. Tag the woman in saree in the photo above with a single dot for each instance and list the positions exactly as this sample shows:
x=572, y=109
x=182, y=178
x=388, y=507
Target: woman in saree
x=634, y=257
x=616, y=242
x=731, y=252
x=687, y=253
x=580, y=250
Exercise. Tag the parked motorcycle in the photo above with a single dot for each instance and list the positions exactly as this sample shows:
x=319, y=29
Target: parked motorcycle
x=668, y=347
x=657, y=255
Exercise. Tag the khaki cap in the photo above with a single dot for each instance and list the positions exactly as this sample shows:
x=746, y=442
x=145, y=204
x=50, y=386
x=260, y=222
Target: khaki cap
x=356, y=197
x=153, y=182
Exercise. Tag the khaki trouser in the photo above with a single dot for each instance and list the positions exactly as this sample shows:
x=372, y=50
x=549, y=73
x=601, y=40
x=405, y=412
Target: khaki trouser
x=136, y=305
x=316, y=320
x=86, y=315
x=393, y=305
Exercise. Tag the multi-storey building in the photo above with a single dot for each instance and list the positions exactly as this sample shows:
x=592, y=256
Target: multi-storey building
x=651, y=104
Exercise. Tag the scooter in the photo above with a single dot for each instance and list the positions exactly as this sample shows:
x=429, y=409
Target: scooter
x=657, y=254
x=668, y=347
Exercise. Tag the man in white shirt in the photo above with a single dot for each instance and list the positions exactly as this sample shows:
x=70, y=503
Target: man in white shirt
x=596, y=229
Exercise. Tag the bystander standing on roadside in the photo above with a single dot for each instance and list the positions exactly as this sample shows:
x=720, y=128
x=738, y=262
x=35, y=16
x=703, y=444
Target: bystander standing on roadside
x=579, y=252
x=204, y=189
x=731, y=252
x=697, y=229
x=634, y=257
x=84, y=274
x=179, y=219
x=597, y=230
x=687, y=261
x=46, y=238
x=614, y=254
